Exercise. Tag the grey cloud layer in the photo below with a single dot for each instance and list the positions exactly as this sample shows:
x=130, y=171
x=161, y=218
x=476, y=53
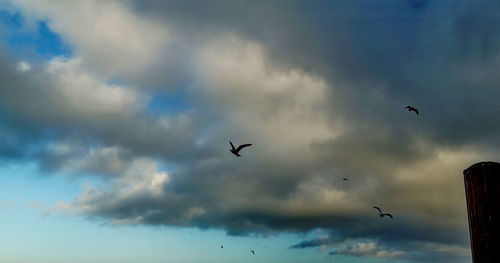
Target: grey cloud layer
x=319, y=88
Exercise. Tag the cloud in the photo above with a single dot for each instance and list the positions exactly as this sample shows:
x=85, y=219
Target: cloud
x=318, y=88
x=367, y=249
x=23, y=66
x=8, y=203
x=317, y=242
x=75, y=158
x=113, y=40
x=61, y=112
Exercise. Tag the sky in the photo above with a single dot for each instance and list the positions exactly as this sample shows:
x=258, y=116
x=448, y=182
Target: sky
x=115, y=118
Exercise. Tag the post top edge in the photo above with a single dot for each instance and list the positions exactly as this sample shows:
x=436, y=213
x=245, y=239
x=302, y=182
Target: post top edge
x=483, y=164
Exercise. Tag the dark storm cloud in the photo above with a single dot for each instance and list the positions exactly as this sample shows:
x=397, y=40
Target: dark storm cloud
x=435, y=55
x=399, y=234
x=312, y=243
x=367, y=60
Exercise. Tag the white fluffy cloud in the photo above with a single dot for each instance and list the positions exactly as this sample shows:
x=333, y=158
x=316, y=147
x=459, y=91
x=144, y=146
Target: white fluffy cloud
x=87, y=93
x=110, y=38
x=23, y=66
x=140, y=178
x=368, y=249
x=280, y=106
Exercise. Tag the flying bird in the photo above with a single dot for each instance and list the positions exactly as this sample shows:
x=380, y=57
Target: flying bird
x=253, y=252
x=382, y=214
x=410, y=108
x=235, y=151
x=221, y=247
x=345, y=179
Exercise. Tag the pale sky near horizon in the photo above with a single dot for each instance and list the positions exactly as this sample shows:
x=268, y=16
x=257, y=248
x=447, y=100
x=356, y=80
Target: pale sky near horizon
x=116, y=117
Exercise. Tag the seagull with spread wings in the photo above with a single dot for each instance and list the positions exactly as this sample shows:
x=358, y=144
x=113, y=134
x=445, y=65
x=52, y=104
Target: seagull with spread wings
x=383, y=214
x=410, y=108
x=236, y=151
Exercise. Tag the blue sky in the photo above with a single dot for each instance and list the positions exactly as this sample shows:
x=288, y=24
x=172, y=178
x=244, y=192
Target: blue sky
x=38, y=41
x=115, y=119
x=31, y=234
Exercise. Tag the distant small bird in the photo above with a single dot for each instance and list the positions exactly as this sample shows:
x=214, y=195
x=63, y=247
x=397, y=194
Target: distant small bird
x=410, y=108
x=381, y=214
x=345, y=179
x=235, y=151
x=253, y=252
x=221, y=247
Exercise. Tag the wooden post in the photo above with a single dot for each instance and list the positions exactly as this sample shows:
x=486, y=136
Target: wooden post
x=482, y=191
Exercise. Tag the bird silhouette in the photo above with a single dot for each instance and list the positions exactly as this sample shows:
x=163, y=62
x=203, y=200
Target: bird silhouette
x=253, y=252
x=410, y=108
x=345, y=179
x=382, y=214
x=236, y=151
x=221, y=247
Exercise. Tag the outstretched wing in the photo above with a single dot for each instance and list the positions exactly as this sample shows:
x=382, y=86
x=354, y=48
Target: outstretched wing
x=380, y=211
x=416, y=111
x=232, y=146
x=242, y=146
x=389, y=215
